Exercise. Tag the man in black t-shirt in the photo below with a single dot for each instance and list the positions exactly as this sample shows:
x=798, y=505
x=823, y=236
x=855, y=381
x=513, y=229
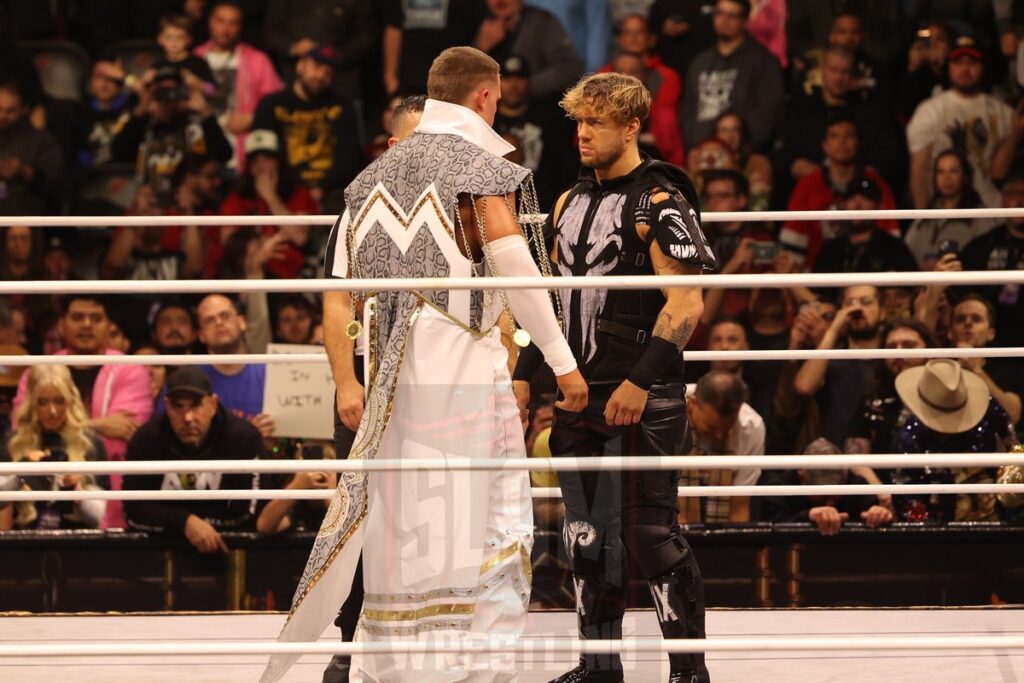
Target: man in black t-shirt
x=415, y=32
x=864, y=247
x=317, y=128
x=545, y=132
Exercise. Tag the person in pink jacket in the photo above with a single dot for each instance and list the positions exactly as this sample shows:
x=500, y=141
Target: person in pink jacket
x=244, y=74
x=117, y=397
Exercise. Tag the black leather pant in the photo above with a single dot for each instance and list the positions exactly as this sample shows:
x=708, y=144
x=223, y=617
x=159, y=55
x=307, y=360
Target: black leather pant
x=611, y=513
x=348, y=617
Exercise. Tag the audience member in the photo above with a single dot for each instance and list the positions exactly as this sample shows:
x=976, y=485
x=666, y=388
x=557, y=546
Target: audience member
x=951, y=412
x=316, y=127
x=21, y=258
x=798, y=152
x=867, y=78
x=239, y=388
x=828, y=513
x=265, y=191
x=535, y=35
x=294, y=28
x=107, y=110
x=926, y=74
x=544, y=130
x=1002, y=248
x=738, y=74
x=811, y=24
x=684, y=28
x=173, y=327
x=951, y=189
x=171, y=123
x=175, y=39
x=244, y=74
x=875, y=425
x=116, y=397
x=761, y=378
x=31, y=161
x=824, y=188
x=966, y=119
x=973, y=326
x=407, y=116
x=414, y=35
x=193, y=426
x=841, y=385
x=722, y=423
x=300, y=515
x=52, y=426
x=862, y=246
x=635, y=42
x=294, y=319
x=730, y=149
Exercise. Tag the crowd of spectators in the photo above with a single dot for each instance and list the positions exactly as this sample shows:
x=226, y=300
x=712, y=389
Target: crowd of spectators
x=244, y=107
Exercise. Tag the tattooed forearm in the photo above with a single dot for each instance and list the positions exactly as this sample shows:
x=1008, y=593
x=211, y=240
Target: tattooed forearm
x=676, y=329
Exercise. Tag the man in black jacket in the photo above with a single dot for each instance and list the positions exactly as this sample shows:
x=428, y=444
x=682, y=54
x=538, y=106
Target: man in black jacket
x=193, y=427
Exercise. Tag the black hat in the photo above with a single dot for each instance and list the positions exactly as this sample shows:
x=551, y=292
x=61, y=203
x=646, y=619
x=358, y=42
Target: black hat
x=189, y=380
x=966, y=46
x=865, y=187
x=515, y=66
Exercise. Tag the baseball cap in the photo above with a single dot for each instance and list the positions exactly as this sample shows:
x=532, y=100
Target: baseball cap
x=325, y=54
x=965, y=46
x=189, y=380
x=261, y=140
x=865, y=187
x=515, y=66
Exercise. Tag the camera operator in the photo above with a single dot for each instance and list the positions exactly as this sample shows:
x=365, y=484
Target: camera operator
x=172, y=121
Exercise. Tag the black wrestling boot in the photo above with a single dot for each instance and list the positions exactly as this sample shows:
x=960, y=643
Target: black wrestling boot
x=679, y=602
x=599, y=608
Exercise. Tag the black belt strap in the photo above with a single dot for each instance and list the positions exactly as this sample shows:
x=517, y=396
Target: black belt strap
x=623, y=331
x=633, y=258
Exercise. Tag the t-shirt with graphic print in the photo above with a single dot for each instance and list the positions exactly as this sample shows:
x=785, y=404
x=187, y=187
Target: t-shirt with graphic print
x=975, y=126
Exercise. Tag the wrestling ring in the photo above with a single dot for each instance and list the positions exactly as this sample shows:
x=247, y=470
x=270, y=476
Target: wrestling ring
x=984, y=644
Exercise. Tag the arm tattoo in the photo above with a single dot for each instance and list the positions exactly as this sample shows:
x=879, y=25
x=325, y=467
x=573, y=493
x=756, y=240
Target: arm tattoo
x=678, y=333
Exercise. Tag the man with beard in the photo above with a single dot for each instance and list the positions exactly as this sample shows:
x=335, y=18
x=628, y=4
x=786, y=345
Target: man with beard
x=841, y=385
x=317, y=128
x=116, y=397
x=627, y=215
x=174, y=328
x=862, y=246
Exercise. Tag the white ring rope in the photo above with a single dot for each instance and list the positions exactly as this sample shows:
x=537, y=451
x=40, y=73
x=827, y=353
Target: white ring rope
x=538, y=492
x=568, y=464
x=696, y=356
x=755, y=281
x=523, y=646
x=329, y=219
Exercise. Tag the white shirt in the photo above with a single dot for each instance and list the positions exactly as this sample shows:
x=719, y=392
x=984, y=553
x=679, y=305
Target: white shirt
x=982, y=122
x=745, y=438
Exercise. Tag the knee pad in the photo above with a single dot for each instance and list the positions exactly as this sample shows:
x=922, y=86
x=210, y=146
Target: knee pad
x=658, y=549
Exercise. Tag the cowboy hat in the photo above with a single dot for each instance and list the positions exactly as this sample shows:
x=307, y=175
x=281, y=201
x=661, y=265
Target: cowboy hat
x=944, y=396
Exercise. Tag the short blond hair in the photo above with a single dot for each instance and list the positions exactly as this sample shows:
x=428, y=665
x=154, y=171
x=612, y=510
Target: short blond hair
x=458, y=72
x=621, y=97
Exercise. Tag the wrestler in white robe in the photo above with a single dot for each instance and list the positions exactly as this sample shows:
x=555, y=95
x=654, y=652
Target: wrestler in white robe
x=446, y=554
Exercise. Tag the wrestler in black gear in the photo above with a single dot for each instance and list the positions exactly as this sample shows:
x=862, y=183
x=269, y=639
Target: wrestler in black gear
x=627, y=215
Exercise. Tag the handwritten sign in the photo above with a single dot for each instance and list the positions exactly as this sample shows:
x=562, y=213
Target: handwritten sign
x=300, y=396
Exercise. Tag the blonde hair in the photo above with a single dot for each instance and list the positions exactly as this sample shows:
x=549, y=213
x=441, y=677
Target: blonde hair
x=618, y=96
x=28, y=432
x=457, y=73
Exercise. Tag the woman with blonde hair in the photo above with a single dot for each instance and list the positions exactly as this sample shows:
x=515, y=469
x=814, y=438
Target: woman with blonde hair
x=52, y=425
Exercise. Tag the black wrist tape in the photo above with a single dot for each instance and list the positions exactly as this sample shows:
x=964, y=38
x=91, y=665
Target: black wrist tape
x=649, y=369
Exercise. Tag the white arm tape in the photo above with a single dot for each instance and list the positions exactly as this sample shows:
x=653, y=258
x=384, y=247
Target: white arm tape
x=532, y=307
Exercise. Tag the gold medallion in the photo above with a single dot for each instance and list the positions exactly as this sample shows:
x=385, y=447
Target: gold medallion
x=354, y=329
x=521, y=338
